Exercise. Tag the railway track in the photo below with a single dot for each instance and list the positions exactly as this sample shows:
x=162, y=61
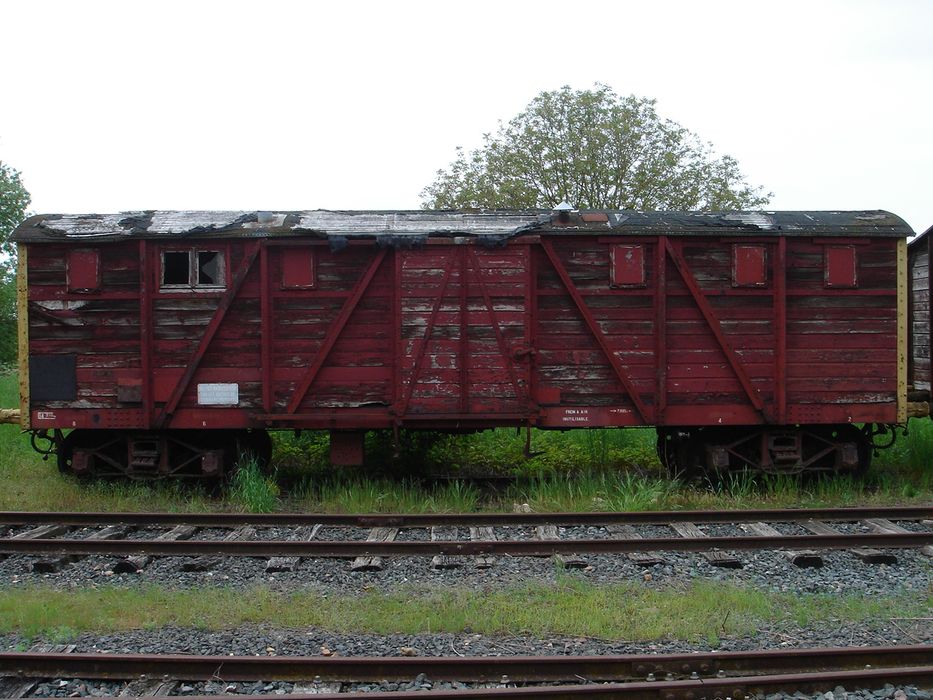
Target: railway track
x=656, y=676
x=872, y=534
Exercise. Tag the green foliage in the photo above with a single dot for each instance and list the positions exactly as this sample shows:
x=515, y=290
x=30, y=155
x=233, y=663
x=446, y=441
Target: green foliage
x=253, y=490
x=596, y=150
x=14, y=199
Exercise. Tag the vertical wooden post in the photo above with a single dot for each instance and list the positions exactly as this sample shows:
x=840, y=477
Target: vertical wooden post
x=462, y=351
x=902, y=330
x=266, y=327
x=928, y=331
x=531, y=321
x=22, y=332
x=780, y=329
x=397, y=329
x=145, y=330
x=660, y=327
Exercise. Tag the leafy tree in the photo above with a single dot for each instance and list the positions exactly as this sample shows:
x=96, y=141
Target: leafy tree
x=595, y=150
x=13, y=202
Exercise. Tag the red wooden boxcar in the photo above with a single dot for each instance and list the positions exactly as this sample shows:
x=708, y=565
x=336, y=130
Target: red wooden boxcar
x=169, y=341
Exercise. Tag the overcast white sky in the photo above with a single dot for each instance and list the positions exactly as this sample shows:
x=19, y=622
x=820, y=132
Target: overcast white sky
x=110, y=106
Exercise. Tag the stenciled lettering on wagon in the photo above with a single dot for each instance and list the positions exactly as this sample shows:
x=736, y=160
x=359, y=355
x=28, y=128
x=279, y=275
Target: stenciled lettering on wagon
x=45, y=415
x=218, y=394
x=576, y=415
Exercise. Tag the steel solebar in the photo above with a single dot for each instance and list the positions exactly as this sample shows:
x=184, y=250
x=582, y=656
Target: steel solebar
x=466, y=519
x=473, y=669
x=354, y=548
x=737, y=688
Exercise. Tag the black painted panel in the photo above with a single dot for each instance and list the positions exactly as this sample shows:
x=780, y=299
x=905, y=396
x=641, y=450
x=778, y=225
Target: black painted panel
x=53, y=378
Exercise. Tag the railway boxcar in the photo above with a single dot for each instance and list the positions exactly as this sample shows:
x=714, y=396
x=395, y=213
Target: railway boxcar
x=168, y=342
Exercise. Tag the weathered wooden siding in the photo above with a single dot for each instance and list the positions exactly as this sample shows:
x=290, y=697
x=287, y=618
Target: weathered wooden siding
x=842, y=343
x=451, y=330
x=101, y=329
x=919, y=274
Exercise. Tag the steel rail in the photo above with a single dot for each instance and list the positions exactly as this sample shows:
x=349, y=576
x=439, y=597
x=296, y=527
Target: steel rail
x=469, y=669
x=354, y=548
x=737, y=688
x=466, y=519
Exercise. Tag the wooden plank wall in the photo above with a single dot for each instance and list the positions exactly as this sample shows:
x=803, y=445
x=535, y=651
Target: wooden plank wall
x=102, y=330
x=463, y=368
x=919, y=275
x=568, y=356
x=842, y=343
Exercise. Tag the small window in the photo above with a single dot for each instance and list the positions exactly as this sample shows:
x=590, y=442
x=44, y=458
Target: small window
x=83, y=268
x=841, y=266
x=297, y=268
x=210, y=270
x=628, y=266
x=749, y=268
x=192, y=269
x=175, y=268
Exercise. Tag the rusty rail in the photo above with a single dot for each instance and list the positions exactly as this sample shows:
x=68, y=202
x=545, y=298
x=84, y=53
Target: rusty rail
x=462, y=668
x=466, y=519
x=354, y=548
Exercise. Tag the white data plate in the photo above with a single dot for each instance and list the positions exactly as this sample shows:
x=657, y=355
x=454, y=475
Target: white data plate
x=218, y=394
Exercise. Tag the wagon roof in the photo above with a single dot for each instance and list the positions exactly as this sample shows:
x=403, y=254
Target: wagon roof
x=420, y=223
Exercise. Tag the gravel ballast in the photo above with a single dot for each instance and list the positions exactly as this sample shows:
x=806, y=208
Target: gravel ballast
x=842, y=572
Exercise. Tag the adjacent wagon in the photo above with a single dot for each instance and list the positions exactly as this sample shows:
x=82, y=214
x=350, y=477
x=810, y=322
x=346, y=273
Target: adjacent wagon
x=161, y=343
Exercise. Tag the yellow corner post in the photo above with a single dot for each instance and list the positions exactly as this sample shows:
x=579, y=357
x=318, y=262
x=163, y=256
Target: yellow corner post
x=902, y=330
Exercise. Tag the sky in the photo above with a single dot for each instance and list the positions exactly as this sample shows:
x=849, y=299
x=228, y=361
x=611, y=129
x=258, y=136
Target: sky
x=275, y=105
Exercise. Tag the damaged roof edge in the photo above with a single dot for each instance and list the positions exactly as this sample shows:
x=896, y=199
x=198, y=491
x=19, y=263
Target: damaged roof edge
x=497, y=224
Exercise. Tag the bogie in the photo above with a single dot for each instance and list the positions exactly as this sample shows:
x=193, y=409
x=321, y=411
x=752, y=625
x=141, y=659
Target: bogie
x=201, y=455
x=710, y=452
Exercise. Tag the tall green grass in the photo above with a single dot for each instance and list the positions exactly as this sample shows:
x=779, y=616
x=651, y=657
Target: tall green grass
x=252, y=489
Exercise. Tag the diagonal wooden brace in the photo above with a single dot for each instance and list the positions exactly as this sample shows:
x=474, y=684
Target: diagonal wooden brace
x=416, y=369
x=596, y=331
x=713, y=322
x=334, y=331
x=225, y=301
x=500, y=339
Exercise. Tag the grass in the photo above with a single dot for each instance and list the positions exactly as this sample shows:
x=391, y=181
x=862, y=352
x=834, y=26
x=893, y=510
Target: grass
x=699, y=611
x=581, y=470
x=252, y=490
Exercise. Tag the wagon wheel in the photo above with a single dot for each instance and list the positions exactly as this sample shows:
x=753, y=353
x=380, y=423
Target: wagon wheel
x=846, y=432
x=109, y=447
x=681, y=454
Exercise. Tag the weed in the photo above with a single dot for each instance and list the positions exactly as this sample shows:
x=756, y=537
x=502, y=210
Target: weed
x=252, y=489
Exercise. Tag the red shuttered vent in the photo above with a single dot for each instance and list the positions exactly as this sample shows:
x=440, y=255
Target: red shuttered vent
x=83, y=268
x=297, y=268
x=628, y=266
x=841, y=267
x=749, y=266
